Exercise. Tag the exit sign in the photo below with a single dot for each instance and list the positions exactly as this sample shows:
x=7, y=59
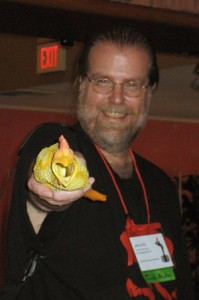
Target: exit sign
x=51, y=57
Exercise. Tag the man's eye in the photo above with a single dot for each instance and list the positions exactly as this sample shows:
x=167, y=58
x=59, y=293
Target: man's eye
x=131, y=84
x=102, y=81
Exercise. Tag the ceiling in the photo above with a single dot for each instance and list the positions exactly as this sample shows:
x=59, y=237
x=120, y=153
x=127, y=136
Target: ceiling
x=174, y=34
x=191, y=6
x=171, y=31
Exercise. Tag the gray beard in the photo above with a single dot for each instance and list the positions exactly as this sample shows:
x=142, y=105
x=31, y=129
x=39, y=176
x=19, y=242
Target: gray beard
x=99, y=133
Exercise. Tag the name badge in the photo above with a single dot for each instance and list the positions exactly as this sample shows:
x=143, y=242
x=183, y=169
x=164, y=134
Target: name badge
x=153, y=257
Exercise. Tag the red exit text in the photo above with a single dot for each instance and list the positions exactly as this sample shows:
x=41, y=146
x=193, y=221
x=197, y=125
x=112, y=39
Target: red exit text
x=51, y=57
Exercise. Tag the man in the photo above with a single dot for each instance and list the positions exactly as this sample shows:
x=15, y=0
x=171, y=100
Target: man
x=61, y=245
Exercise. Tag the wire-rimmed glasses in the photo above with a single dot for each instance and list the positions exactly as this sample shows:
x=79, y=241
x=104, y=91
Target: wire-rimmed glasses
x=105, y=86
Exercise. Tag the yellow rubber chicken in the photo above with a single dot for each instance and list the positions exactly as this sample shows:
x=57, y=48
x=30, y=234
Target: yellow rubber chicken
x=59, y=168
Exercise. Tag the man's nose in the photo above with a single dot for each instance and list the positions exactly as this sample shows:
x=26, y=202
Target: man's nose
x=116, y=94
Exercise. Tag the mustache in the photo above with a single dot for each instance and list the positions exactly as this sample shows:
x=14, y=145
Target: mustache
x=115, y=108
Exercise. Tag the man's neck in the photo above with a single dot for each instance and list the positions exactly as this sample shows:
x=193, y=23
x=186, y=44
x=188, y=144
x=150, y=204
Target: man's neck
x=120, y=162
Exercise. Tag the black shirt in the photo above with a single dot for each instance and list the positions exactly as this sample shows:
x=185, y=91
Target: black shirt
x=78, y=253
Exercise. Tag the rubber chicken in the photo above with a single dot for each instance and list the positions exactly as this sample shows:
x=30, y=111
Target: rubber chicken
x=59, y=168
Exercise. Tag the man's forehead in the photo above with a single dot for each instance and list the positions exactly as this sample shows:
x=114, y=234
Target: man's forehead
x=107, y=55
x=106, y=47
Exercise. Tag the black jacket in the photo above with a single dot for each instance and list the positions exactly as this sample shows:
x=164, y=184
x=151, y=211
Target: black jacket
x=77, y=253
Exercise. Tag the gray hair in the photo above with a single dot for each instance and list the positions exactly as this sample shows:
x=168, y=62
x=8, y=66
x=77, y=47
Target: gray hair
x=121, y=36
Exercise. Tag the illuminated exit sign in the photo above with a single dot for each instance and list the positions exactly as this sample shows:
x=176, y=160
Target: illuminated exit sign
x=51, y=57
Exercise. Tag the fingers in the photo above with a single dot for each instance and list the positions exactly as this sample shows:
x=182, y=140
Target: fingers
x=64, y=197
x=89, y=186
x=56, y=198
x=39, y=189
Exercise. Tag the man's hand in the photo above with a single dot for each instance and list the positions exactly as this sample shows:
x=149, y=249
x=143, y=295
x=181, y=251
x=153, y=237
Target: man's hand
x=54, y=200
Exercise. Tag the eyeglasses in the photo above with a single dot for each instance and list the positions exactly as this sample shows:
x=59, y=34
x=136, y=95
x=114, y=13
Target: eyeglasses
x=105, y=86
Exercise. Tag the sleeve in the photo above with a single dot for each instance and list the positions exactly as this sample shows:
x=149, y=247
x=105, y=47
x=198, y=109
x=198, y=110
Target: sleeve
x=44, y=135
x=20, y=234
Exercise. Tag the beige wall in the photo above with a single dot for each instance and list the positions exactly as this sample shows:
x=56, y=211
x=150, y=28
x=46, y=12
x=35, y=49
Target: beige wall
x=18, y=63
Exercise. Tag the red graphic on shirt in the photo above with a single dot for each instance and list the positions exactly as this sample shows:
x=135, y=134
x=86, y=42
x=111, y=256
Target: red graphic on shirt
x=164, y=293
x=134, y=290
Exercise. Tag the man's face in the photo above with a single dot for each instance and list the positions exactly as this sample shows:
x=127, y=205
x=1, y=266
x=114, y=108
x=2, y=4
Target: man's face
x=112, y=120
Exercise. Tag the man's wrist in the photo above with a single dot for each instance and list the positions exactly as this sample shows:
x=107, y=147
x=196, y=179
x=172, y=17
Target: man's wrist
x=43, y=205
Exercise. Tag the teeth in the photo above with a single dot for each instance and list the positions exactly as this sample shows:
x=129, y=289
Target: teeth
x=115, y=114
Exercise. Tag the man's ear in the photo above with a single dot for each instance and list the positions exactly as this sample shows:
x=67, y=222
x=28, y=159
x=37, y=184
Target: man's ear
x=81, y=82
x=154, y=86
x=78, y=82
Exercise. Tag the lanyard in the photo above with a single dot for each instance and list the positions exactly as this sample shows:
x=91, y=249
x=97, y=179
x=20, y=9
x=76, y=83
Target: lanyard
x=141, y=237
x=117, y=187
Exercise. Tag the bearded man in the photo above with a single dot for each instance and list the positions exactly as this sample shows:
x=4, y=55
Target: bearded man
x=62, y=246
